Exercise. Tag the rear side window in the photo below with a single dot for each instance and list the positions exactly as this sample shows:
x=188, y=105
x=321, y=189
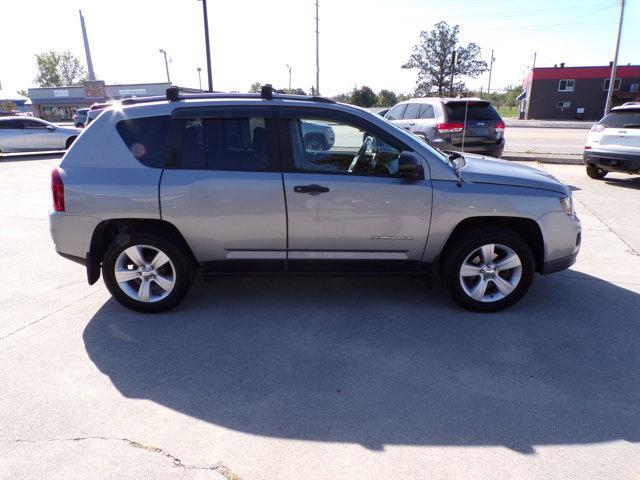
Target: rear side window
x=475, y=111
x=9, y=124
x=412, y=112
x=146, y=137
x=238, y=144
x=426, y=111
x=622, y=119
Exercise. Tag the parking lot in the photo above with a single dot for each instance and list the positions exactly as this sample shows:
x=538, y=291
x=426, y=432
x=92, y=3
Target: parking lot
x=312, y=378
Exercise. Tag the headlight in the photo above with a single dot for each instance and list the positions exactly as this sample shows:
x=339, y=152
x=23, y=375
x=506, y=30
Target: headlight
x=567, y=205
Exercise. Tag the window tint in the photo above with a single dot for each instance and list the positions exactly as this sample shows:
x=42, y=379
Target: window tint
x=426, y=111
x=236, y=144
x=412, y=112
x=33, y=124
x=192, y=143
x=146, y=137
x=396, y=112
x=10, y=124
x=335, y=147
x=566, y=85
x=622, y=119
x=475, y=111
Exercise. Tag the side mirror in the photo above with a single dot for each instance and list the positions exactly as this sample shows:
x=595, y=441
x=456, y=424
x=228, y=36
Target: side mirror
x=51, y=128
x=170, y=156
x=409, y=166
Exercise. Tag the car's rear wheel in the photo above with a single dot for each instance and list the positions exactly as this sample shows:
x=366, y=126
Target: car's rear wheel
x=596, y=173
x=70, y=140
x=147, y=272
x=488, y=269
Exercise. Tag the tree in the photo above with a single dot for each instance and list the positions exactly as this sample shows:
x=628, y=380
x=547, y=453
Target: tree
x=23, y=93
x=363, y=97
x=342, y=98
x=59, y=69
x=7, y=106
x=294, y=91
x=256, y=87
x=387, y=98
x=432, y=58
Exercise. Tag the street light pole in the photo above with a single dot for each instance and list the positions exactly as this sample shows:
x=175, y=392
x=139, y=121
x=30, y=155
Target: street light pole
x=166, y=64
x=199, y=78
x=317, y=54
x=490, y=70
x=289, y=67
x=206, y=42
x=614, y=65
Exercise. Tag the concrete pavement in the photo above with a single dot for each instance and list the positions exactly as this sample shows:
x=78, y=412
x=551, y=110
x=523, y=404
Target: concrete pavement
x=262, y=378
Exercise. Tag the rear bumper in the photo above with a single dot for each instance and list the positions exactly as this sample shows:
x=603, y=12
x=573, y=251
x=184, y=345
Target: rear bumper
x=612, y=161
x=493, y=149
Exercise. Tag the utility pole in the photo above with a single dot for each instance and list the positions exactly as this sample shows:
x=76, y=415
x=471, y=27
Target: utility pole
x=166, y=64
x=453, y=66
x=535, y=54
x=206, y=42
x=199, y=78
x=490, y=70
x=614, y=65
x=87, y=51
x=317, y=53
x=289, y=67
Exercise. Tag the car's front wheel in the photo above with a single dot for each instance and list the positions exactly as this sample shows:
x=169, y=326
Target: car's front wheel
x=146, y=272
x=596, y=173
x=488, y=269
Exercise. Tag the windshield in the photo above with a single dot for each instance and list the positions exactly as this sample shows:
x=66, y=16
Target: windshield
x=475, y=111
x=621, y=119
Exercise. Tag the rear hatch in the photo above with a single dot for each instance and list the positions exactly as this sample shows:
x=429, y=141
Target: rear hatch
x=619, y=130
x=483, y=124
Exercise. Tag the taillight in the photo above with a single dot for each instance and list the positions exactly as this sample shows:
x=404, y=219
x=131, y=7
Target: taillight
x=454, y=127
x=598, y=128
x=500, y=126
x=57, y=188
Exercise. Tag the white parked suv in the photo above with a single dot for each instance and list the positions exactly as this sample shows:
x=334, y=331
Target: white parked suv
x=614, y=142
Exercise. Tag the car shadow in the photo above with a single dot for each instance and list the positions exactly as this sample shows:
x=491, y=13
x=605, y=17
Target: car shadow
x=379, y=361
x=24, y=157
x=630, y=182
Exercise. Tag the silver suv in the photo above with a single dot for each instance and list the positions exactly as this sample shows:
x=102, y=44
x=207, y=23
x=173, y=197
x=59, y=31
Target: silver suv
x=461, y=124
x=158, y=188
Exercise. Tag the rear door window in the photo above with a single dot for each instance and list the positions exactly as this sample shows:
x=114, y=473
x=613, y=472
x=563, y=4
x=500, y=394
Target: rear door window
x=412, y=112
x=146, y=137
x=622, y=119
x=474, y=111
x=10, y=125
x=426, y=111
x=238, y=144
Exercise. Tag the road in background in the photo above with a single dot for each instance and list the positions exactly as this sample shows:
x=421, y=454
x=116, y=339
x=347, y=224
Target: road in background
x=545, y=140
x=320, y=377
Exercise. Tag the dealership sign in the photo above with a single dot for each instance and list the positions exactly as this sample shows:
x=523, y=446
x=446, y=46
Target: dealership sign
x=61, y=93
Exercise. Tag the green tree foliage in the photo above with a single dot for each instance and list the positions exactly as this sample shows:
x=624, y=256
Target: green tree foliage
x=23, y=93
x=59, y=69
x=364, y=97
x=7, y=106
x=387, y=98
x=294, y=91
x=432, y=58
x=255, y=87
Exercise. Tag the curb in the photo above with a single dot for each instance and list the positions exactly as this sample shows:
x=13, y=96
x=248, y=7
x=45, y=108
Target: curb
x=557, y=159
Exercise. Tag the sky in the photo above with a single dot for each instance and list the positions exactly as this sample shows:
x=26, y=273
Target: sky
x=362, y=42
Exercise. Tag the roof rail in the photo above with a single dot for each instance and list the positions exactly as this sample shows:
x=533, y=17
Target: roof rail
x=267, y=93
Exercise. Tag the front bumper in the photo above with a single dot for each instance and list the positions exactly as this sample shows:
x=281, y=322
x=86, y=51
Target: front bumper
x=562, y=236
x=612, y=161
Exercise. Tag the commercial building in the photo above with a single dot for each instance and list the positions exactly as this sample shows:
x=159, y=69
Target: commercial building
x=576, y=93
x=60, y=103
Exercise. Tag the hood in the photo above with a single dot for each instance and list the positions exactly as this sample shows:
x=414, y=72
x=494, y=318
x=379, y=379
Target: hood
x=479, y=169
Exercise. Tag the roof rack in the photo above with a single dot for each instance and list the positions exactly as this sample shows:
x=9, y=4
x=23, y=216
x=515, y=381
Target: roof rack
x=267, y=93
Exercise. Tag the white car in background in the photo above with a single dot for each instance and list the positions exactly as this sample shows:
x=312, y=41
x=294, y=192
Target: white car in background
x=22, y=134
x=613, y=144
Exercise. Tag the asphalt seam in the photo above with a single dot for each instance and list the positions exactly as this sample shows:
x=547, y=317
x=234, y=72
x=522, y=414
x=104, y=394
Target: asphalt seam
x=219, y=467
x=49, y=314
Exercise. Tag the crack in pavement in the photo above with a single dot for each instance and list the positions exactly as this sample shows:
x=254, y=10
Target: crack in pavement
x=219, y=467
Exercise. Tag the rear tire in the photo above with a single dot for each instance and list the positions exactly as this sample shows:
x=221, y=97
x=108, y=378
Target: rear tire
x=70, y=140
x=596, y=173
x=142, y=284
x=488, y=284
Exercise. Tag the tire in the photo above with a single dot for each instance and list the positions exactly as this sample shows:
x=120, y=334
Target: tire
x=315, y=143
x=70, y=140
x=596, y=173
x=175, y=269
x=466, y=249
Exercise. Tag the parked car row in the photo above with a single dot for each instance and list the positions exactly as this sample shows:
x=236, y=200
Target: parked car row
x=21, y=134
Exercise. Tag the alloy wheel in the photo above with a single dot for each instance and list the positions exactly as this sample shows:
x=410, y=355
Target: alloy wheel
x=145, y=273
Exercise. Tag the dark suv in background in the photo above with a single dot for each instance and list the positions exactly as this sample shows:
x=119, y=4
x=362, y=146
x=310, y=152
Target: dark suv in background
x=441, y=123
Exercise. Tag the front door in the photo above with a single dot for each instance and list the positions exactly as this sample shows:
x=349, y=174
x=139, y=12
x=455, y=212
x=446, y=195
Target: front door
x=348, y=208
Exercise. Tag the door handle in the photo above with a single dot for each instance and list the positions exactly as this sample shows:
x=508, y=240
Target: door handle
x=412, y=124
x=310, y=189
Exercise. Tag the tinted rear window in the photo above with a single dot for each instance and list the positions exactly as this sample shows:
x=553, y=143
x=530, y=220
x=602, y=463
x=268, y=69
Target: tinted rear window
x=146, y=138
x=10, y=124
x=622, y=119
x=475, y=111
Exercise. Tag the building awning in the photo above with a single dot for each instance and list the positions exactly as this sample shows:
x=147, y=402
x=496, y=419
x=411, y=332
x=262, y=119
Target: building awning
x=522, y=96
x=66, y=101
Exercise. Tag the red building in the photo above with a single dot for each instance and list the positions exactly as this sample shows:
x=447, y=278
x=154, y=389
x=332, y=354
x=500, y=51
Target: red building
x=570, y=93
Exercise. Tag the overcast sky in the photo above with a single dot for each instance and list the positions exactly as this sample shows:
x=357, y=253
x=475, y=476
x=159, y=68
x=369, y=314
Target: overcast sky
x=362, y=42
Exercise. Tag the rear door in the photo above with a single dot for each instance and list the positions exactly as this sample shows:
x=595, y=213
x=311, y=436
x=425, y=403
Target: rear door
x=483, y=124
x=622, y=131
x=224, y=193
x=11, y=136
x=348, y=209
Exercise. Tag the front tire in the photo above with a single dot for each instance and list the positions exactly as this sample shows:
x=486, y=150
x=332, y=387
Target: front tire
x=488, y=269
x=596, y=173
x=146, y=272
